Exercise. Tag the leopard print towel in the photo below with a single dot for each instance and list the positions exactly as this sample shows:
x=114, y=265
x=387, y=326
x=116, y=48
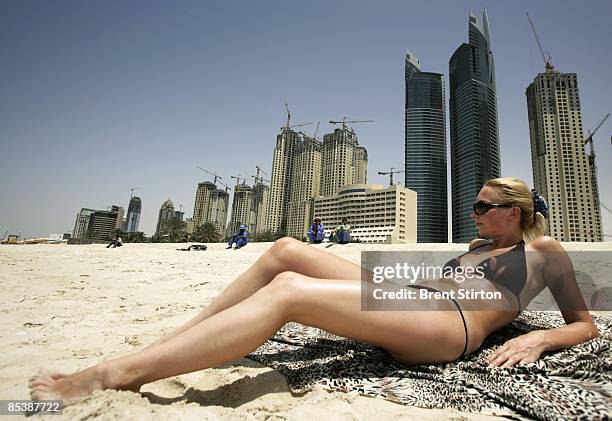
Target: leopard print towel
x=570, y=384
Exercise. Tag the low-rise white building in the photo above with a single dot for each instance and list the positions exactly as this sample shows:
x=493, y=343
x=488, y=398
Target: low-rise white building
x=376, y=214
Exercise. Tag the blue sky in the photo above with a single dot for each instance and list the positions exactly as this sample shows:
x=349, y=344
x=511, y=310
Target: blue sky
x=99, y=97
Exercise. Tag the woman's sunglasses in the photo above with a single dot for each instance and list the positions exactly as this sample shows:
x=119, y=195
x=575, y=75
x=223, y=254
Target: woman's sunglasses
x=480, y=208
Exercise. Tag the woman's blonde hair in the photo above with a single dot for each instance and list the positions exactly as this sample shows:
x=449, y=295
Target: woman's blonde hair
x=514, y=191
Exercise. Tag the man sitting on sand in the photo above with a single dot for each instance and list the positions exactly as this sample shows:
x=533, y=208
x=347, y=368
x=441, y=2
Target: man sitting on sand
x=316, y=232
x=342, y=233
x=115, y=243
x=240, y=238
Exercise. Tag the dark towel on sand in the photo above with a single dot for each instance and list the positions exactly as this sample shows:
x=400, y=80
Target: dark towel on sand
x=572, y=383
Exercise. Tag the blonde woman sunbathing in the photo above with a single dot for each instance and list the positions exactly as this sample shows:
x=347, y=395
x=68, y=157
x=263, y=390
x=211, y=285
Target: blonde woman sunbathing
x=292, y=282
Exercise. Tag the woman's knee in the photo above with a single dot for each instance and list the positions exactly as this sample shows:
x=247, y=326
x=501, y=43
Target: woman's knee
x=286, y=286
x=284, y=249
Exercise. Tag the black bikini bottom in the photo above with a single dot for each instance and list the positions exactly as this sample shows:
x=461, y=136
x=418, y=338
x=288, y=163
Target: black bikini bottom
x=458, y=308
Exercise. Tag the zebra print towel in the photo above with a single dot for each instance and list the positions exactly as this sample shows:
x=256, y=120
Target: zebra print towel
x=572, y=383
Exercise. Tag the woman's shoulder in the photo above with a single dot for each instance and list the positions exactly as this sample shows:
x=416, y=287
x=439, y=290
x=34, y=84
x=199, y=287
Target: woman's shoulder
x=545, y=243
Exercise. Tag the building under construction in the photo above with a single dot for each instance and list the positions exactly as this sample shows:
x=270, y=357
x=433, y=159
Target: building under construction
x=561, y=169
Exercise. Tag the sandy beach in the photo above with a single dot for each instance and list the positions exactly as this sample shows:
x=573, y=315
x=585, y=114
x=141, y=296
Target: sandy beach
x=67, y=307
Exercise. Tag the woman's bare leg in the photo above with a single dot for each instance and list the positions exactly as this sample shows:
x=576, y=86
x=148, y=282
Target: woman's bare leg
x=286, y=254
x=332, y=305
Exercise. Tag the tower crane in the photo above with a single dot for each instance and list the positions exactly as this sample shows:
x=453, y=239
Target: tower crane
x=591, y=157
x=215, y=176
x=390, y=174
x=238, y=178
x=132, y=191
x=288, y=125
x=590, y=134
x=344, y=121
x=259, y=170
x=547, y=58
x=226, y=186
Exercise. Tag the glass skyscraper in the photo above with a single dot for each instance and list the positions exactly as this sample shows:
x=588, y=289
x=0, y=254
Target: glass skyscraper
x=133, y=215
x=425, y=150
x=474, y=137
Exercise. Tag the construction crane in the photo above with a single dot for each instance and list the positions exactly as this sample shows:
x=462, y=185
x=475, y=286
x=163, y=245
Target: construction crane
x=390, y=174
x=288, y=125
x=216, y=177
x=590, y=134
x=132, y=191
x=546, y=57
x=257, y=177
x=238, y=178
x=226, y=186
x=305, y=135
x=344, y=121
x=591, y=158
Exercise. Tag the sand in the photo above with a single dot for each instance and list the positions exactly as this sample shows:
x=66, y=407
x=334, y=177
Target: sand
x=67, y=307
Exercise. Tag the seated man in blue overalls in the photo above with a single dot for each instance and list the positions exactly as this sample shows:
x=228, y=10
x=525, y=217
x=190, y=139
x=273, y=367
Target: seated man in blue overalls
x=342, y=233
x=316, y=232
x=240, y=238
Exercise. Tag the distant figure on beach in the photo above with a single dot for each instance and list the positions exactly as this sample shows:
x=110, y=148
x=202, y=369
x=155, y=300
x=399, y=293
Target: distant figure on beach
x=195, y=247
x=291, y=282
x=240, y=238
x=316, y=232
x=117, y=242
x=342, y=233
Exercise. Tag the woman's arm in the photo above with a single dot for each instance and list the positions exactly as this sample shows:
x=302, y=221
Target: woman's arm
x=560, y=279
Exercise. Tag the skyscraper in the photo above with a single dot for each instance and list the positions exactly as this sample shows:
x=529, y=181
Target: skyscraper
x=166, y=212
x=280, y=184
x=133, y=214
x=81, y=225
x=306, y=184
x=201, y=208
x=261, y=194
x=561, y=169
x=219, y=204
x=343, y=161
x=425, y=150
x=241, y=208
x=474, y=138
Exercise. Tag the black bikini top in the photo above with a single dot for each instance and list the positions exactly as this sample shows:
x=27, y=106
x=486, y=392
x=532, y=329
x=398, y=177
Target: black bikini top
x=508, y=269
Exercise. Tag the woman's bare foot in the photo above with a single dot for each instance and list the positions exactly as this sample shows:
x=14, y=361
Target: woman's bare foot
x=71, y=387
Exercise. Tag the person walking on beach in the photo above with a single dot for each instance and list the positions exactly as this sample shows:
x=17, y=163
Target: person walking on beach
x=316, y=232
x=292, y=282
x=240, y=238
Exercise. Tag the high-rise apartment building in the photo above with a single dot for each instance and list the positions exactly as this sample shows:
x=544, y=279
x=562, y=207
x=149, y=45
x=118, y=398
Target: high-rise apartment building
x=425, y=149
x=241, y=208
x=81, y=224
x=102, y=224
x=219, y=205
x=305, y=185
x=561, y=169
x=375, y=213
x=361, y=165
x=261, y=195
x=338, y=160
x=474, y=138
x=133, y=214
x=166, y=213
x=280, y=182
x=312, y=168
x=201, y=208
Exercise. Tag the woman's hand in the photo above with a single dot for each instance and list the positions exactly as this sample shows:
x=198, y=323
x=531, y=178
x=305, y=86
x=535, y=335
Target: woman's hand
x=520, y=350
